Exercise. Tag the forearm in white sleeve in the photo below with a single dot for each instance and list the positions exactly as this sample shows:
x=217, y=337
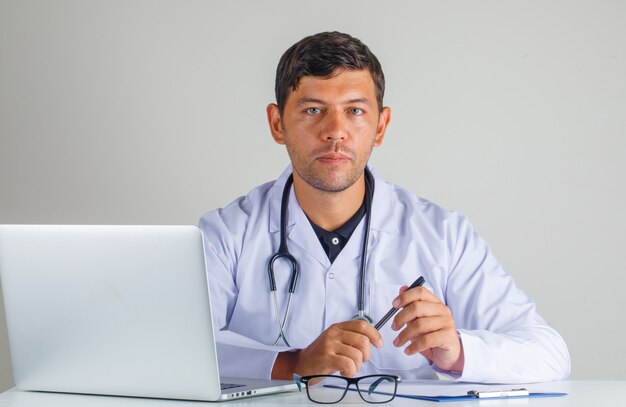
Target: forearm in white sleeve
x=503, y=337
x=238, y=355
x=533, y=355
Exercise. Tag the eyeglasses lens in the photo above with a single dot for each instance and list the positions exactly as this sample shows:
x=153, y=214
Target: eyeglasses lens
x=329, y=390
x=377, y=389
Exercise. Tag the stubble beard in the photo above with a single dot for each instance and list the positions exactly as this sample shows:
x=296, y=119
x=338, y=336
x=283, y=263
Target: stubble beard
x=331, y=179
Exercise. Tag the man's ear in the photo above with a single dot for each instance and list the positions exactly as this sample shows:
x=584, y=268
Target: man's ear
x=383, y=122
x=275, y=122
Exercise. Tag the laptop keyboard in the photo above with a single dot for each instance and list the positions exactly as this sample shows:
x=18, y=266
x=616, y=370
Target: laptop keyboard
x=226, y=386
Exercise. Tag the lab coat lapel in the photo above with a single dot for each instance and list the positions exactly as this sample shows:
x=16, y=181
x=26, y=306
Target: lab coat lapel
x=303, y=234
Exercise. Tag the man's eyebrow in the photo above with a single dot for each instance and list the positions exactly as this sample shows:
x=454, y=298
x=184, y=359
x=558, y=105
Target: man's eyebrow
x=365, y=101
x=309, y=100
x=303, y=101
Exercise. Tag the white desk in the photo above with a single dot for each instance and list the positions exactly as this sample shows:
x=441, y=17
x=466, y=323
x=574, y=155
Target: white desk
x=581, y=393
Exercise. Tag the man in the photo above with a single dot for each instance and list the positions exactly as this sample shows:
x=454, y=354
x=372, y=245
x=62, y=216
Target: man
x=468, y=322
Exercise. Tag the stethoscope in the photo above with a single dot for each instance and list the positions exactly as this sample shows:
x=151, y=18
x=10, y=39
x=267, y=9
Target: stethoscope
x=284, y=254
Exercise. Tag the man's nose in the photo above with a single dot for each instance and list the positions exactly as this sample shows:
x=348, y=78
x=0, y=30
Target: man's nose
x=335, y=126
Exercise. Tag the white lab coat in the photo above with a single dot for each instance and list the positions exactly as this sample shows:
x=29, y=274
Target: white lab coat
x=503, y=337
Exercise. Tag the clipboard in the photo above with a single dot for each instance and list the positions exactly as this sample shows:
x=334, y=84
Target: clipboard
x=474, y=395
x=483, y=395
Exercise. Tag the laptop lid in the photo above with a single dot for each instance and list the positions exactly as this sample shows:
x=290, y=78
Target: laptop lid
x=119, y=310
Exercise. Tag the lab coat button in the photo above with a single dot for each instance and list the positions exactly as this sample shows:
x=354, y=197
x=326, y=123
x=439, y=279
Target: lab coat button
x=331, y=275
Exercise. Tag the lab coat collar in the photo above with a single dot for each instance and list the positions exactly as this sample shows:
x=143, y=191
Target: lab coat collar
x=299, y=229
x=275, y=198
x=383, y=218
x=383, y=206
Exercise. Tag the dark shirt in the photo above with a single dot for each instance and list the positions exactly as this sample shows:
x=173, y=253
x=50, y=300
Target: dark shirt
x=334, y=242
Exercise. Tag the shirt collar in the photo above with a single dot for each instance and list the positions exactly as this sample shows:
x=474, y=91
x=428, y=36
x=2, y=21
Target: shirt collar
x=345, y=230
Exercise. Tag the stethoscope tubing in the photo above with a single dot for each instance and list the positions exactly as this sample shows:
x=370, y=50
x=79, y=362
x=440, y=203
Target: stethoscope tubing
x=283, y=250
x=284, y=254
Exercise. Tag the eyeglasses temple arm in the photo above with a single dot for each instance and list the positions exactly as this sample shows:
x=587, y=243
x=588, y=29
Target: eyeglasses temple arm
x=373, y=386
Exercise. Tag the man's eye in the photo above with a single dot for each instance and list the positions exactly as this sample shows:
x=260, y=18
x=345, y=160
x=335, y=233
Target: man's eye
x=356, y=111
x=313, y=110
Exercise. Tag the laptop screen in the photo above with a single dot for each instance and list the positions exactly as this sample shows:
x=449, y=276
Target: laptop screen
x=121, y=310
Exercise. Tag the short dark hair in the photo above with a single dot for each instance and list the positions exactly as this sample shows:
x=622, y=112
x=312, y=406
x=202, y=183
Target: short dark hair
x=321, y=55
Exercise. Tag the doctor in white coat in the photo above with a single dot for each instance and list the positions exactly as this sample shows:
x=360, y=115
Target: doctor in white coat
x=468, y=322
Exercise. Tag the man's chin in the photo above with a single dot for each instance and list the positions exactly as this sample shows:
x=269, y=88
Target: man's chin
x=326, y=178
x=331, y=183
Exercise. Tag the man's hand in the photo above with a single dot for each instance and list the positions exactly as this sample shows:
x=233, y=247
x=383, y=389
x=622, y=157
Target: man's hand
x=342, y=348
x=429, y=327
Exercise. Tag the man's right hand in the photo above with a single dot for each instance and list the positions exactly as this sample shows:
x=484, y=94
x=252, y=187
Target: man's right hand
x=343, y=348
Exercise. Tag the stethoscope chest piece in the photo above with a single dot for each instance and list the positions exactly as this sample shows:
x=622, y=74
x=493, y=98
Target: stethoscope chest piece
x=362, y=316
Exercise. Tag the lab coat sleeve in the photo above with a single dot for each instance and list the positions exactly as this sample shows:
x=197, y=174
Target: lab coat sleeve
x=503, y=337
x=238, y=356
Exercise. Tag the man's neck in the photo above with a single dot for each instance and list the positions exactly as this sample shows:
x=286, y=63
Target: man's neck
x=329, y=210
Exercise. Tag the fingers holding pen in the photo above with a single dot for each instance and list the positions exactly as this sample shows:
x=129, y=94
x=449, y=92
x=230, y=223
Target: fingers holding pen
x=420, y=328
x=366, y=329
x=343, y=347
x=407, y=296
x=427, y=326
x=421, y=312
x=419, y=309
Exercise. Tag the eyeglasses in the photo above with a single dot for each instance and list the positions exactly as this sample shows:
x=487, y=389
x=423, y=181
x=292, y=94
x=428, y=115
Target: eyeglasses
x=333, y=389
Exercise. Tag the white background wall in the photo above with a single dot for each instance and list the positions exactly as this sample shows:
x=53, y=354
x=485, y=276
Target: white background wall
x=512, y=112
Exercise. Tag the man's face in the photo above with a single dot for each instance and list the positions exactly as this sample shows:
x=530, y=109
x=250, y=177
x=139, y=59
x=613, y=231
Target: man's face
x=329, y=126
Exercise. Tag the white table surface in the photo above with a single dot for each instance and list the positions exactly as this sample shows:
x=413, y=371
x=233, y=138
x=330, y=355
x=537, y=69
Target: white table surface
x=587, y=393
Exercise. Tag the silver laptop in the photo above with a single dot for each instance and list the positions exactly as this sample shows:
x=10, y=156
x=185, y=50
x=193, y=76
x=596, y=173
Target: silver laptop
x=115, y=310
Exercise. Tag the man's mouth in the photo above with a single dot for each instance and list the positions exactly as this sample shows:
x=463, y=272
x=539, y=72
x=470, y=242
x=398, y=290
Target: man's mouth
x=334, y=158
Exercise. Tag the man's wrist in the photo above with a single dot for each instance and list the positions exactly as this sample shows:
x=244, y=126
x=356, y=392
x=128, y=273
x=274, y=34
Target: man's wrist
x=459, y=364
x=285, y=365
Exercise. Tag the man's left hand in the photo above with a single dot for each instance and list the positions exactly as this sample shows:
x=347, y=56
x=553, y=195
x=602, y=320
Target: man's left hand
x=429, y=328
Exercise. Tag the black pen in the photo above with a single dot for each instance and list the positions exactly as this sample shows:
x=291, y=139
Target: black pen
x=420, y=281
